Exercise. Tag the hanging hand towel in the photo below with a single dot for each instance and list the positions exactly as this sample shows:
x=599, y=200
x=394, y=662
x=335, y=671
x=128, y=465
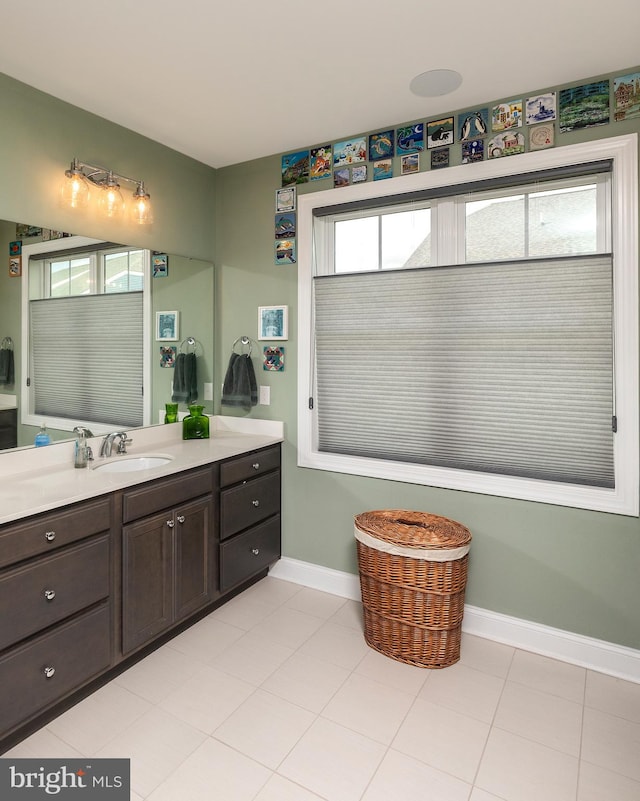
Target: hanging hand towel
x=6, y=366
x=185, y=379
x=240, y=387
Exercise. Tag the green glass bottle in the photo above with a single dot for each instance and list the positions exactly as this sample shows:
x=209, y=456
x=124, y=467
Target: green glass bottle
x=195, y=425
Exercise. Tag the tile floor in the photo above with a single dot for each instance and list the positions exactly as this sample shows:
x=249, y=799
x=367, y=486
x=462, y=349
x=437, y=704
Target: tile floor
x=276, y=697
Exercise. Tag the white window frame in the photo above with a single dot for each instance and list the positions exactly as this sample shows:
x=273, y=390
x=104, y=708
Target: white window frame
x=27, y=415
x=624, y=498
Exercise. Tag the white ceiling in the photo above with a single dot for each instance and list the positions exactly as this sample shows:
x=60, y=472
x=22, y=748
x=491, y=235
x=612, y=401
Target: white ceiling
x=228, y=82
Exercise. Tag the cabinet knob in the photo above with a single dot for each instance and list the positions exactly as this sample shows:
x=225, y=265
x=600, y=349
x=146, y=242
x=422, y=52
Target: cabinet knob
x=256, y=465
x=170, y=523
x=49, y=672
x=256, y=503
x=49, y=594
x=181, y=518
x=255, y=551
x=50, y=536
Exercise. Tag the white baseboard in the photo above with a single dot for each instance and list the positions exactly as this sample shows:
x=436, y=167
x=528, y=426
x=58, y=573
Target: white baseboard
x=599, y=655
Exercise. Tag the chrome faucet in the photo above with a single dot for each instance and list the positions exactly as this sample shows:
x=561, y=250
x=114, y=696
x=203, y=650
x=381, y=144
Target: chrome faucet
x=107, y=443
x=81, y=431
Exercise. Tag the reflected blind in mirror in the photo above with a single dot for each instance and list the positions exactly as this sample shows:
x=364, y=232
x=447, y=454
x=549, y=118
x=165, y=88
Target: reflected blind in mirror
x=87, y=358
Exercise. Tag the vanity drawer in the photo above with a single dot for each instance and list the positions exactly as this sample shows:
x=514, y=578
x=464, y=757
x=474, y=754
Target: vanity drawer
x=52, y=588
x=247, y=467
x=249, y=503
x=49, y=531
x=165, y=493
x=249, y=553
x=76, y=652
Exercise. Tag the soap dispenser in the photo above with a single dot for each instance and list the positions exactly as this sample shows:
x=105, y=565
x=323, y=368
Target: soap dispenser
x=42, y=437
x=81, y=450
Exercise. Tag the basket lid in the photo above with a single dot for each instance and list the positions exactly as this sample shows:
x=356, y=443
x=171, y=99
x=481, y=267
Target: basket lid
x=413, y=529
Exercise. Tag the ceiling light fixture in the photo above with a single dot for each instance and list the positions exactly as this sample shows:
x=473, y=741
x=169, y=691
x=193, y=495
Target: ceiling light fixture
x=435, y=83
x=81, y=179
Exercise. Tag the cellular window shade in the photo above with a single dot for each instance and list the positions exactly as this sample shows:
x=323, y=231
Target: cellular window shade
x=501, y=368
x=86, y=356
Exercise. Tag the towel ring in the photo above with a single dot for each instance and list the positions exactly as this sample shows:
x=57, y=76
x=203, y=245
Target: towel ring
x=190, y=342
x=244, y=341
x=7, y=342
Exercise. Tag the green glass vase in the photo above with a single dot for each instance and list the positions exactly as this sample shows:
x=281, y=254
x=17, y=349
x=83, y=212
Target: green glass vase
x=171, y=412
x=195, y=425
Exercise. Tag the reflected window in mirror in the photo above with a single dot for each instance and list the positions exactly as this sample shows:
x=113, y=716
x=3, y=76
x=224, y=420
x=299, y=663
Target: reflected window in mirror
x=85, y=312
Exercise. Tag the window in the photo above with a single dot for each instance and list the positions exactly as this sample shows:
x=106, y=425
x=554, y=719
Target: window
x=479, y=336
x=84, y=323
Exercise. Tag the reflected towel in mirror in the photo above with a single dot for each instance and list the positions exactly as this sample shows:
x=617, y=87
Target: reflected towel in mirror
x=185, y=379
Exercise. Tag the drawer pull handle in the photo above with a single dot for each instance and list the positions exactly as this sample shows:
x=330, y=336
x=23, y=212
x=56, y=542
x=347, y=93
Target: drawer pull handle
x=50, y=536
x=181, y=518
x=255, y=551
x=49, y=594
x=256, y=465
x=256, y=503
x=170, y=523
x=49, y=672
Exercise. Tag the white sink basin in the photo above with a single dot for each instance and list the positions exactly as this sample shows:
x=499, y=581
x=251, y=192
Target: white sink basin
x=130, y=464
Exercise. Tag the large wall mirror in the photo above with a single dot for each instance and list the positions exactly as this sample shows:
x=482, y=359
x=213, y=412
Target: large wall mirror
x=80, y=318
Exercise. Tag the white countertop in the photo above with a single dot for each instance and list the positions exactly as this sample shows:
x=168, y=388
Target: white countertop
x=34, y=480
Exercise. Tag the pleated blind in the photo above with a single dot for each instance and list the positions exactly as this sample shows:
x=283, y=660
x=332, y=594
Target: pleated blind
x=501, y=368
x=93, y=345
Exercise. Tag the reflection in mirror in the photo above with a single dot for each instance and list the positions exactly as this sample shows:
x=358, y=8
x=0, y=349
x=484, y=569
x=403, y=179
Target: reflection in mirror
x=182, y=284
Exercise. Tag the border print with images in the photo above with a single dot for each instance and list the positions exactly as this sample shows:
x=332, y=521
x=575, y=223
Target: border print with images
x=472, y=150
x=295, y=168
x=286, y=199
x=439, y=158
x=359, y=173
x=541, y=108
x=409, y=163
x=584, y=106
x=285, y=251
x=381, y=145
x=382, y=169
x=410, y=139
x=626, y=97
x=508, y=143
x=341, y=177
x=350, y=151
x=506, y=115
x=440, y=132
x=321, y=159
x=285, y=225
x=542, y=136
x=473, y=124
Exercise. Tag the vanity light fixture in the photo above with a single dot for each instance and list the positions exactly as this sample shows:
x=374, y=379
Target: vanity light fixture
x=81, y=179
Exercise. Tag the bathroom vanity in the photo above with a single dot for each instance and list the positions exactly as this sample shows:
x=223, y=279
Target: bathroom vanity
x=98, y=568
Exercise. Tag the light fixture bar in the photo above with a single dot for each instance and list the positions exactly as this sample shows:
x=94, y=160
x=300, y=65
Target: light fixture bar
x=81, y=176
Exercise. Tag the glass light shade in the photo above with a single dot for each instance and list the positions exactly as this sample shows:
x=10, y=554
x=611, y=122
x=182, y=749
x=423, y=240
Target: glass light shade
x=111, y=202
x=140, y=208
x=74, y=191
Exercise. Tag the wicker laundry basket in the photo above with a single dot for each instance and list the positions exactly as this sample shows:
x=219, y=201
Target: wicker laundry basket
x=413, y=573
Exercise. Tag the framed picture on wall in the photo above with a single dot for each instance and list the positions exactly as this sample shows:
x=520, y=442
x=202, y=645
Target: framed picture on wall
x=167, y=326
x=273, y=322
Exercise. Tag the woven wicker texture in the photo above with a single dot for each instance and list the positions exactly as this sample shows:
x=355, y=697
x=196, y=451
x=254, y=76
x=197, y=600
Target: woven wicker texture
x=413, y=608
x=413, y=529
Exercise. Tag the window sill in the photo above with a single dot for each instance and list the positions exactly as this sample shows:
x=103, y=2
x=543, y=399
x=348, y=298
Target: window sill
x=622, y=501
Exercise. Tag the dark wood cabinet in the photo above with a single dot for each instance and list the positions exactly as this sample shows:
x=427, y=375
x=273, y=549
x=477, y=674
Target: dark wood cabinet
x=249, y=515
x=169, y=561
x=8, y=428
x=94, y=584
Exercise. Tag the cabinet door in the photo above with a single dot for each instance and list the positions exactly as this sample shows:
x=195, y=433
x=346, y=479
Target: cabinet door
x=195, y=565
x=147, y=585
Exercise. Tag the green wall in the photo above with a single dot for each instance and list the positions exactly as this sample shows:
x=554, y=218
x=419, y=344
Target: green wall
x=39, y=136
x=566, y=568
